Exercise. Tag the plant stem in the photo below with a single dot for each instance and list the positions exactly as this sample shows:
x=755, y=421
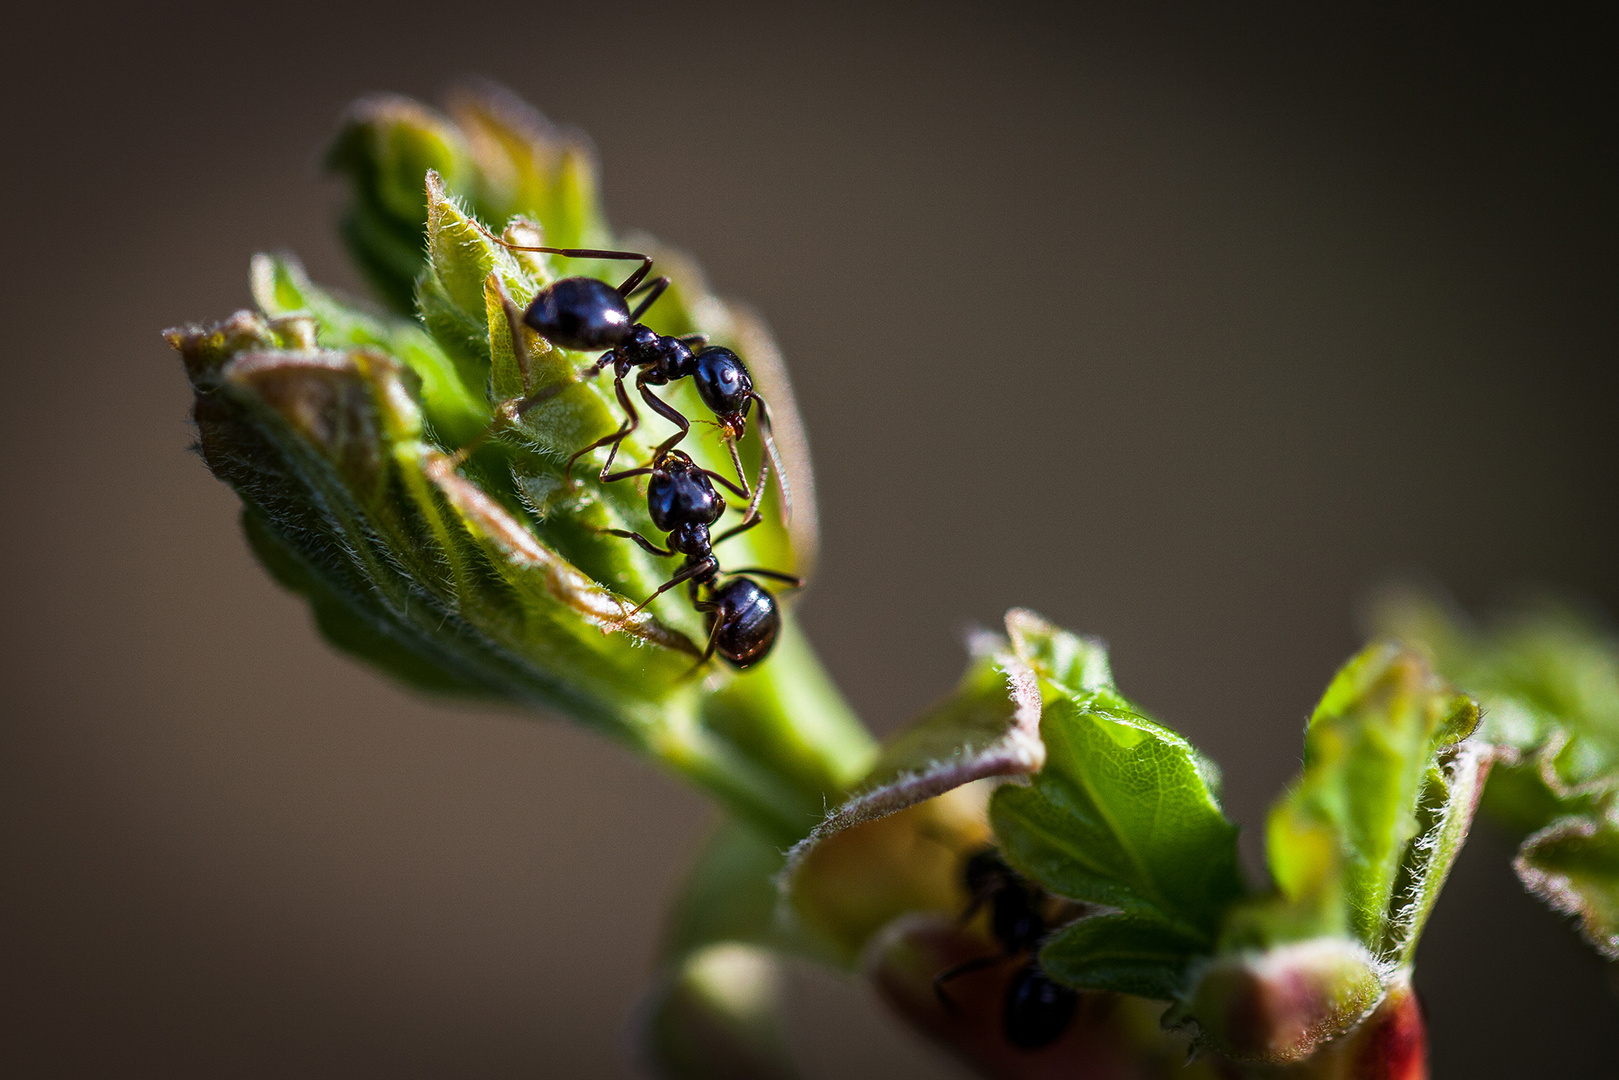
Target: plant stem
x=778, y=746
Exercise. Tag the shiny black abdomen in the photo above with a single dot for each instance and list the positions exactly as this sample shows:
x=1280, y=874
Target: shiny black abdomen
x=579, y=313
x=1036, y=1010
x=748, y=621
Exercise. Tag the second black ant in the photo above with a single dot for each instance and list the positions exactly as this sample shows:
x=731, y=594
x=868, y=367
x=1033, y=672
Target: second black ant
x=1036, y=1009
x=743, y=617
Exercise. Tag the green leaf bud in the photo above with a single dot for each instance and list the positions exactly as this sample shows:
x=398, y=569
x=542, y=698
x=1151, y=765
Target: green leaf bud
x=1548, y=677
x=405, y=474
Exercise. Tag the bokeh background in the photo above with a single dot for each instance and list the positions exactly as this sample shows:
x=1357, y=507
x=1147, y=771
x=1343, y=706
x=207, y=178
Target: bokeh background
x=1185, y=327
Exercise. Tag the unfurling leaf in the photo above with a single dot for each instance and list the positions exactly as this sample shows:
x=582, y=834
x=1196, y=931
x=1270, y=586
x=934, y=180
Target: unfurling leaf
x=1548, y=678
x=1338, y=840
x=1573, y=865
x=1125, y=816
x=1359, y=848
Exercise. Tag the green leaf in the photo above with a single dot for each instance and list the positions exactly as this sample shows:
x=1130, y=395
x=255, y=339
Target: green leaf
x=453, y=409
x=1338, y=840
x=1547, y=675
x=1124, y=815
x=1359, y=847
x=525, y=166
x=385, y=145
x=1573, y=865
x=1131, y=954
x=451, y=291
x=493, y=150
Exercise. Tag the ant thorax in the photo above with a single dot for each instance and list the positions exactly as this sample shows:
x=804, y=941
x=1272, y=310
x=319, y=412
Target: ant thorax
x=663, y=359
x=690, y=538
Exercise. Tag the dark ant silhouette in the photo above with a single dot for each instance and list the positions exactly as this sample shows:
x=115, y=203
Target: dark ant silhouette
x=743, y=617
x=585, y=314
x=1036, y=1010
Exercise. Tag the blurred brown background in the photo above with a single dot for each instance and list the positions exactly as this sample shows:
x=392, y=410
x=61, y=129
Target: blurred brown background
x=1185, y=329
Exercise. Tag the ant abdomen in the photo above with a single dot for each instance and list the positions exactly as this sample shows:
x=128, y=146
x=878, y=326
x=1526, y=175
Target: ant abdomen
x=743, y=621
x=1036, y=1010
x=580, y=313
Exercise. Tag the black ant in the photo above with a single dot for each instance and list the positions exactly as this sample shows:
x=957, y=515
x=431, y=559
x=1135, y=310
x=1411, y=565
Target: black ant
x=743, y=617
x=1036, y=1009
x=585, y=314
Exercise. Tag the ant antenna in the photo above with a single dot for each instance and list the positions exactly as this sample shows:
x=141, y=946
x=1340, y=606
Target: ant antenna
x=630, y=283
x=766, y=433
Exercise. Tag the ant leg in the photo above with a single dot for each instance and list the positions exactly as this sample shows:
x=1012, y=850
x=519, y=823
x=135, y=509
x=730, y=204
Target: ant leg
x=694, y=342
x=748, y=522
x=740, y=492
x=686, y=573
x=625, y=474
x=669, y=413
x=514, y=327
x=507, y=413
x=646, y=545
x=630, y=424
x=791, y=580
x=706, y=606
x=966, y=967
x=656, y=290
x=583, y=253
x=635, y=420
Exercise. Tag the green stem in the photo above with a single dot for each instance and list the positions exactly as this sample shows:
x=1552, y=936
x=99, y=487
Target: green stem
x=778, y=746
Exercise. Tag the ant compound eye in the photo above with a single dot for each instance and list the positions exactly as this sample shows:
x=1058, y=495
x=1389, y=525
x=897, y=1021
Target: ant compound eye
x=579, y=313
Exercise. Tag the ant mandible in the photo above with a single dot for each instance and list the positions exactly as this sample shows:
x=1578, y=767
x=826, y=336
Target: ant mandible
x=585, y=314
x=743, y=617
x=1036, y=1010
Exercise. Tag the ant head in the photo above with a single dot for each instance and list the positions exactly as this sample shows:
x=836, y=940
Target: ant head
x=680, y=493
x=724, y=385
x=580, y=313
x=744, y=620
